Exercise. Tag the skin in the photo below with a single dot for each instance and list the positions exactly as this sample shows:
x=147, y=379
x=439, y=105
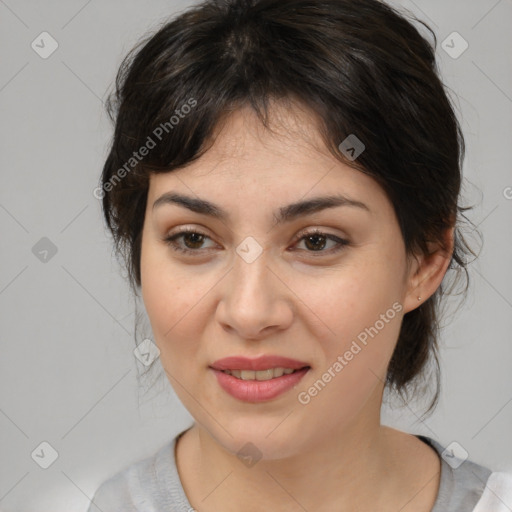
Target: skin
x=332, y=453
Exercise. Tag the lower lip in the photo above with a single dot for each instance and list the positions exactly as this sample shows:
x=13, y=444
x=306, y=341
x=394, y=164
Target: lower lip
x=258, y=390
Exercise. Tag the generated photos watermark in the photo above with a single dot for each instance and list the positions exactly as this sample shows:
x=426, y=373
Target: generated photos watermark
x=149, y=144
x=304, y=397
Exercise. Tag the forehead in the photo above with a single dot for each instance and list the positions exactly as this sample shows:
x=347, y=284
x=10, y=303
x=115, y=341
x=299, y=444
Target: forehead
x=290, y=128
x=284, y=163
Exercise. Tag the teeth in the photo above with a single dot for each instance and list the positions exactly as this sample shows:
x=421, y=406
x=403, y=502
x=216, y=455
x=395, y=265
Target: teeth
x=271, y=373
x=275, y=372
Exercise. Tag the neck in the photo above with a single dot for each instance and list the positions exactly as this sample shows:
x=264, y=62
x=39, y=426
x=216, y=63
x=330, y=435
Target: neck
x=335, y=472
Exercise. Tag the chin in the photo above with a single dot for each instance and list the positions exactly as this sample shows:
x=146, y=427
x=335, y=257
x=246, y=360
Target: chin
x=256, y=438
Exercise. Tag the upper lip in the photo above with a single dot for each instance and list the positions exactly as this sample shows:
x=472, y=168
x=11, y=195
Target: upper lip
x=261, y=363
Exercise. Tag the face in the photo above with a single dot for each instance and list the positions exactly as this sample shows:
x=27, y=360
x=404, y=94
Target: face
x=326, y=286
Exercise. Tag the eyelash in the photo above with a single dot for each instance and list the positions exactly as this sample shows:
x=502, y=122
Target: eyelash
x=171, y=241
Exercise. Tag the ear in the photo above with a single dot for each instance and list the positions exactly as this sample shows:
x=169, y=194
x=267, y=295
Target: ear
x=426, y=271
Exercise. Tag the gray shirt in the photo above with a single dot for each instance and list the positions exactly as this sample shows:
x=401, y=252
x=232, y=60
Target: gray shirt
x=153, y=485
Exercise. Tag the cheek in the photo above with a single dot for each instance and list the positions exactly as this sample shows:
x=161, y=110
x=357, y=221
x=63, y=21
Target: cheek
x=354, y=299
x=354, y=362
x=363, y=313
x=178, y=302
x=169, y=300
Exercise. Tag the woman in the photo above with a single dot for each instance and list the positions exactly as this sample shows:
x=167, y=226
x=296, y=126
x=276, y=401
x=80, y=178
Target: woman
x=283, y=184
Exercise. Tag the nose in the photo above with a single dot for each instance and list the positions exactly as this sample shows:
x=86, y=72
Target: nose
x=255, y=301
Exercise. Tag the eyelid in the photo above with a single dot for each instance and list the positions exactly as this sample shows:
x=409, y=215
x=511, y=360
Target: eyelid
x=300, y=236
x=187, y=229
x=340, y=241
x=171, y=236
x=315, y=231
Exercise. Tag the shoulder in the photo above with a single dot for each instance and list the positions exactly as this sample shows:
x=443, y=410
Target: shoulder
x=497, y=495
x=133, y=488
x=113, y=495
x=468, y=486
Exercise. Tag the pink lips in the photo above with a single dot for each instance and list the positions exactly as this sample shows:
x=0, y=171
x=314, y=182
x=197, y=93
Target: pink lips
x=261, y=363
x=254, y=390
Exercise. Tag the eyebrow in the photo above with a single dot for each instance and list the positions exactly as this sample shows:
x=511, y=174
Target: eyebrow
x=284, y=213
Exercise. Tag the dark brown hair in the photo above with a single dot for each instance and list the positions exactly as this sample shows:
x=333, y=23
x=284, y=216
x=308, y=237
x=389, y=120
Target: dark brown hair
x=360, y=66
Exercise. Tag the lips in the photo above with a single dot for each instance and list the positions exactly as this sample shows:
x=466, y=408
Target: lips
x=241, y=377
x=258, y=391
x=264, y=362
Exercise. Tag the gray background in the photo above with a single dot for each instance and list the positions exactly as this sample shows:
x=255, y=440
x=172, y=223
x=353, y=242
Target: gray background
x=68, y=374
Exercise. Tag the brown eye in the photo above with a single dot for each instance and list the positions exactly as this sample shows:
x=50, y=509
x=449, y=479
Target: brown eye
x=195, y=239
x=192, y=239
x=315, y=241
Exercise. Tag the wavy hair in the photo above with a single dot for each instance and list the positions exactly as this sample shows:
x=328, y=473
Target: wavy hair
x=360, y=66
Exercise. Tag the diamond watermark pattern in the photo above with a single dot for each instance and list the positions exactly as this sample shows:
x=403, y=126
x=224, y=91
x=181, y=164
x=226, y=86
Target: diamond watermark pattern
x=249, y=249
x=454, y=45
x=249, y=454
x=44, y=455
x=146, y=352
x=44, y=250
x=454, y=454
x=44, y=45
x=352, y=147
